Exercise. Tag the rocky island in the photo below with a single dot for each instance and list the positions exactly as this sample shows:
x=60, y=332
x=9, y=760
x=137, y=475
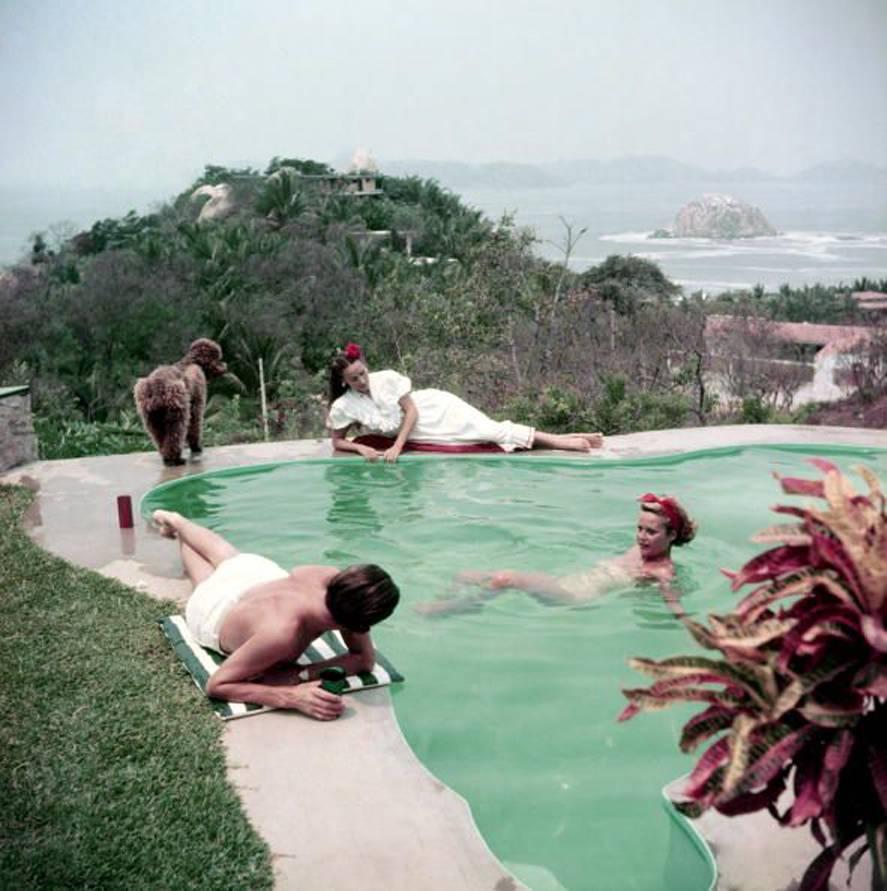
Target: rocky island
x=717, y=216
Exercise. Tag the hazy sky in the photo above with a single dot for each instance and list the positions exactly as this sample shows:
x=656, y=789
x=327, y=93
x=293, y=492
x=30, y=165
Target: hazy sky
x=133, y=92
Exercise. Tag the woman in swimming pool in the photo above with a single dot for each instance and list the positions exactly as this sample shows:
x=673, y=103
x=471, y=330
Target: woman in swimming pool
x=384, y=402
x=662, y=524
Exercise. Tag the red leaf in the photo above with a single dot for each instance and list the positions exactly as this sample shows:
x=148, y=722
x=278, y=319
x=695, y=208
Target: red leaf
x=807, y=802
x=827, y=551
x=629, y=712
x=875, y=633
x=877, y=758
x=836, y=755
x=794, y=486
x=772, y=564
x=715, y=756
x=817, y=615
x=823, y=465
x=771, y=762
x=749, y=802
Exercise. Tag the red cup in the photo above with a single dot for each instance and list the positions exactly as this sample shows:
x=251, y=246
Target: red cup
x=124, y=511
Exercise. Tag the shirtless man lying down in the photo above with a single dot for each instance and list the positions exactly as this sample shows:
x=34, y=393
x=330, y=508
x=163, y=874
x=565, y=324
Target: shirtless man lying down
x=263, y=618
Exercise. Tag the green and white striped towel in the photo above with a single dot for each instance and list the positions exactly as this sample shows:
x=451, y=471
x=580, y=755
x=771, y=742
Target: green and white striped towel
x=202, y=662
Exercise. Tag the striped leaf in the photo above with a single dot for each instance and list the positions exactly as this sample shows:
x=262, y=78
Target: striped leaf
x=750, y=678
x=740, y=748
x=783, y=533
x=705, y=725
x=775, y=755
x=713, y=759
x=754, y=635
x=772, y=564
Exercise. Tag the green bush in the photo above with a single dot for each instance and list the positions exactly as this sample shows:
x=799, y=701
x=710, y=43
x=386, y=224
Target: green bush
x=67, y=438
x=555, y=410
x=755, y=411
x=232, y=420
x=621, y=411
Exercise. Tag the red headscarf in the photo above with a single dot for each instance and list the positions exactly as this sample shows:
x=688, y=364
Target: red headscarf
x=669, y=508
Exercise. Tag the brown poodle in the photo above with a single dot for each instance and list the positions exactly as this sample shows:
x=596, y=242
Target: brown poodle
x=171, y=399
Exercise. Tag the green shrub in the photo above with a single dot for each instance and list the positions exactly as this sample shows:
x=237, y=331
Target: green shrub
x=231, y=421
x=74, y=438
x=555, y=410
x=755, y=411
x=621, y=411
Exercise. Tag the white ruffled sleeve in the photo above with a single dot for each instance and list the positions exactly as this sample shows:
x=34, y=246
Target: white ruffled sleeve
x=339, y=417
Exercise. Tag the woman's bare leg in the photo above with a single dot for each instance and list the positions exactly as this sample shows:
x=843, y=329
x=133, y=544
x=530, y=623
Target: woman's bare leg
x=202, y=549
x=570, y=442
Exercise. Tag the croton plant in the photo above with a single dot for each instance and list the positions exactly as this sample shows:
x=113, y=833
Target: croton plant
x=795, y=717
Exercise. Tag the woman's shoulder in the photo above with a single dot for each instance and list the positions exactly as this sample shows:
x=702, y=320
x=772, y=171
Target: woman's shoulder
x=389, y=383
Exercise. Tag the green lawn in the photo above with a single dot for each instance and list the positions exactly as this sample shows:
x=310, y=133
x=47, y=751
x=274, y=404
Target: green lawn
x=111, y=766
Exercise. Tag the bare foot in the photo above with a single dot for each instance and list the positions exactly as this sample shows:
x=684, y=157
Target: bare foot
x=165, y=521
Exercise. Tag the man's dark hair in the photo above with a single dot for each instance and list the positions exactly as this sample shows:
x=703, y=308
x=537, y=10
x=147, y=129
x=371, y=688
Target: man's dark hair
x=361, y=596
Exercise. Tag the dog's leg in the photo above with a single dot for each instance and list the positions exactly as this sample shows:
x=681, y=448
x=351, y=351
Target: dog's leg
x=195, y=420
x=172, y=437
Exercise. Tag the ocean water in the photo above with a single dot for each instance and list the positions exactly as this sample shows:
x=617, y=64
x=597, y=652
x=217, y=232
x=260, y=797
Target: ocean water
x=64, y=212
x=831, y=233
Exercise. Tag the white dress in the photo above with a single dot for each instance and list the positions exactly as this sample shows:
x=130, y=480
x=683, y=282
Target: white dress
x=443, y=417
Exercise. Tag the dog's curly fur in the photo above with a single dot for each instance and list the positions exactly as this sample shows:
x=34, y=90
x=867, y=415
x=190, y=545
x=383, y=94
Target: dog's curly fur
x=171, y=399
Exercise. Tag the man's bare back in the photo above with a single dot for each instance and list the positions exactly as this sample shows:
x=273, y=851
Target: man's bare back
x=276, y=603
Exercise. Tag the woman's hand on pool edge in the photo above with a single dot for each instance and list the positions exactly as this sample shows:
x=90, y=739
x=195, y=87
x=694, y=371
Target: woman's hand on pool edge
x=369, y=453
x=391, y=454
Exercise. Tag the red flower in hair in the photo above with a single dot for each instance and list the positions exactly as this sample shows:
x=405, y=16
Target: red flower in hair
x=352, y=351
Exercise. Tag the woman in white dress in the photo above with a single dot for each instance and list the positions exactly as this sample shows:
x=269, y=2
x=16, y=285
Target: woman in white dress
x=384, y=402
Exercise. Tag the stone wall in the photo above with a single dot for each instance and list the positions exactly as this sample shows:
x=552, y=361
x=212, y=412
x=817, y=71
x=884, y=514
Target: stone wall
x=18, y=442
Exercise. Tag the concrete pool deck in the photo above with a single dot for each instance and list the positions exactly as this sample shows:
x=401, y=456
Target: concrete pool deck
x=347, y=804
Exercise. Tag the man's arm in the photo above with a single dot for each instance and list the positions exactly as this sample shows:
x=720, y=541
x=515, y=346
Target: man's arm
x=361, y=656
x=234, y=678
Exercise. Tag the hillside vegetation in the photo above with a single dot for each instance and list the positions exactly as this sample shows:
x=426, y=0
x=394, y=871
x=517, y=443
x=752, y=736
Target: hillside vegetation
x=297, y=266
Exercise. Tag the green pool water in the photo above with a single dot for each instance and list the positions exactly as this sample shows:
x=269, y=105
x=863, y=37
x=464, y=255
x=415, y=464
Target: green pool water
x=515, y=706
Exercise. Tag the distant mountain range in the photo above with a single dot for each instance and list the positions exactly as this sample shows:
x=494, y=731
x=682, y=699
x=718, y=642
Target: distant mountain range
x=633, y=169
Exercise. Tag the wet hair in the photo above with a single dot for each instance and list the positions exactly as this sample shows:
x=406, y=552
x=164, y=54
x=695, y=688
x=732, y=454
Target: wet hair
x=337, y=369
x=687, y=531
x=361, y=596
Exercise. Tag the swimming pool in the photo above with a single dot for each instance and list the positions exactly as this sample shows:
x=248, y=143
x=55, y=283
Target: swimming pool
x=514, y=706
